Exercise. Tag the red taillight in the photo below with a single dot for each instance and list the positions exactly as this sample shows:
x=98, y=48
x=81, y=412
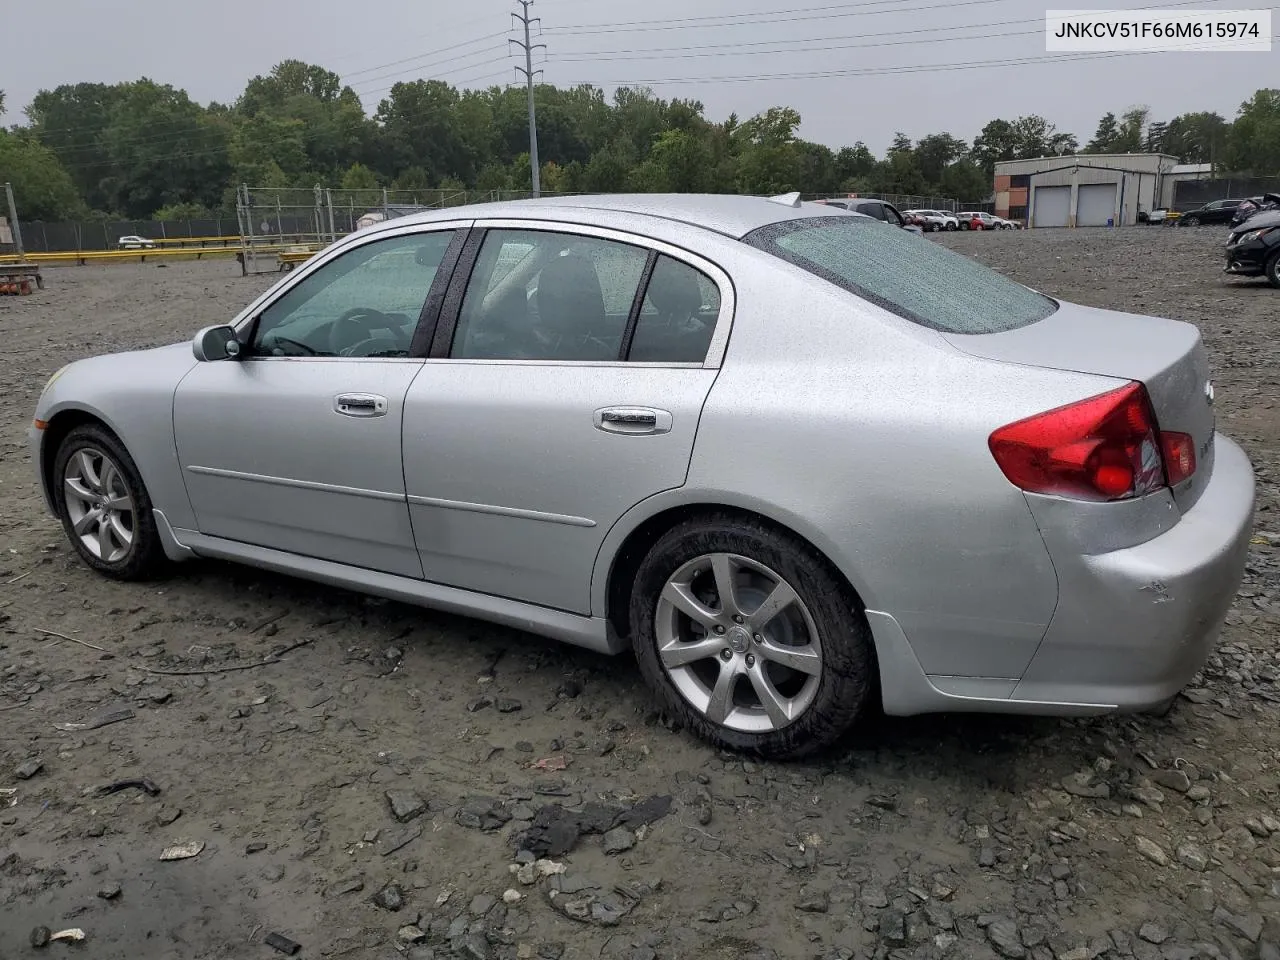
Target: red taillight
x=1105, y=448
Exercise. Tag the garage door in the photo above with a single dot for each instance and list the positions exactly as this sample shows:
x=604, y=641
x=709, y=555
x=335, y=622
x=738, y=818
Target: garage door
x=1095, y=203
x=1050, y=206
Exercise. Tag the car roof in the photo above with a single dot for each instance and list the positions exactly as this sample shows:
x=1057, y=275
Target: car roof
x=729, y=214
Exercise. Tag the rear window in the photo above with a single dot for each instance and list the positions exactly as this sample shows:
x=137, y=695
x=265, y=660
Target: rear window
x=915, y=278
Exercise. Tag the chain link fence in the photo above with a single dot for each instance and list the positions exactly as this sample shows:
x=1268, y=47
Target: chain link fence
x=907, y=201
x=1190, y=194
x=266, y=218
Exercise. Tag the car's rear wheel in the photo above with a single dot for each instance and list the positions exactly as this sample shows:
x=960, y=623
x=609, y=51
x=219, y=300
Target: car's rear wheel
x=104, y=506
x=1191, y=221
x=748, y=637
x=952, y=226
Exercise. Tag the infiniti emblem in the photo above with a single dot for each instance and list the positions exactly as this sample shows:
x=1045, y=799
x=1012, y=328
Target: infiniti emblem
x=1208, y=392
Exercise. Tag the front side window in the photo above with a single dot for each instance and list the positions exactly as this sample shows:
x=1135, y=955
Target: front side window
x=366, y=303
x=678, y=315
x=921, y=281
x=540, y=295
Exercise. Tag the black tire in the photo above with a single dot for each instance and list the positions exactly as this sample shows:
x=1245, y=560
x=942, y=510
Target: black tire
x=145, y=557
x=1191, y=221
x=952, y=226
x=847, y=674
x=964, y=226
x=1273, y=269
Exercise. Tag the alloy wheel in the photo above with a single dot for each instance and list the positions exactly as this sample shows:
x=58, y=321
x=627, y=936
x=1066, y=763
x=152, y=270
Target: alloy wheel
x=738, y=643
x=99, y=506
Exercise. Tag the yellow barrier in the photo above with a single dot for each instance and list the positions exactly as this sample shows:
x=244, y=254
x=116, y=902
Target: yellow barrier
x=84, y=256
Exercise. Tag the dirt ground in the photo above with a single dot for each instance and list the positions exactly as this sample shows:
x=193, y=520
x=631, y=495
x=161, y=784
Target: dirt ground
x=931, y=838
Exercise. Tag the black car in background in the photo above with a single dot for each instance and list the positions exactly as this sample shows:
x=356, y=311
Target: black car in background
x=1216, y=211
x=1253, y=248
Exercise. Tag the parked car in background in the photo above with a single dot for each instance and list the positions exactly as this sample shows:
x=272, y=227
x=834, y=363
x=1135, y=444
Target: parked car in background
x=134, y=243
x=1005, y=223
x=792, y=459
x=1216, y=211
x=1247, y=208
x=881, y=210
x=1161, y=216
x=935, y=220
x=1253, y=247
x=977, y=220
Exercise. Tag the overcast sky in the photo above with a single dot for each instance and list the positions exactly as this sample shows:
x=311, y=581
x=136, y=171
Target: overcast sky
x=707, y=48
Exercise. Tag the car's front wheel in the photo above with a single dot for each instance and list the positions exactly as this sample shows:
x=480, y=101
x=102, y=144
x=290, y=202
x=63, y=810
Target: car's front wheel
x=747, y=635
x=1273, y=269
x=104, y=506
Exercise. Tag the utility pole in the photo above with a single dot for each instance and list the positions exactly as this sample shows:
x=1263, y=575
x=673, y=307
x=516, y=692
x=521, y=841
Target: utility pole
x=529, y=73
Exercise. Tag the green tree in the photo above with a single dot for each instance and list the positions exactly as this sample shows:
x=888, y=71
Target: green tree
x=72, y=121
x=42, y=188
x=679, y=162
x=1254, y=144
x=359, y=177
x=182, y=211
x=936, y=152
x=1197, y=137
x=189, y=166
x=1106, y=136
x=997, y=141
x=965, y=181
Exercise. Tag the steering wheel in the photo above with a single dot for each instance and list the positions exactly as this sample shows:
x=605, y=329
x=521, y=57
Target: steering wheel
x=365, y=320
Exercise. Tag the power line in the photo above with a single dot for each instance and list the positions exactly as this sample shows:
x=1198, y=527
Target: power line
x=905, y=68
x=768, y=17
x=740, y=45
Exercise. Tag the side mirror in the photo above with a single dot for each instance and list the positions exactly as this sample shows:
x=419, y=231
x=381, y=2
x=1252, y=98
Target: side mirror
x=216, y=343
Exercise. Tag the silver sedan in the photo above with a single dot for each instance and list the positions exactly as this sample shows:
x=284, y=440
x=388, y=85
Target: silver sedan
x=800, y=462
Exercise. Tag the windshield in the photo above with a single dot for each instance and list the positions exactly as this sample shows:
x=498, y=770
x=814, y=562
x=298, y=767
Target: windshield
x=917, y=279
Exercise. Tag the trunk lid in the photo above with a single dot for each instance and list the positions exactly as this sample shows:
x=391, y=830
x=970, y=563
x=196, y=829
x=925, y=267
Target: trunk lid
x=1167, y=356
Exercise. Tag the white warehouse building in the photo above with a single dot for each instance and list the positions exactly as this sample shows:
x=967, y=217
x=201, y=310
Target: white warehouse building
x=1094, y=190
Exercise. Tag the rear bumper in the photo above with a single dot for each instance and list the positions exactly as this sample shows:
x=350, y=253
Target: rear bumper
x=1133, y=626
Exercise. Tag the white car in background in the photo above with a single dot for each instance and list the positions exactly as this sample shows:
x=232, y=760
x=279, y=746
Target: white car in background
x=935, y=220
x=1004, y=223
x=135, y=243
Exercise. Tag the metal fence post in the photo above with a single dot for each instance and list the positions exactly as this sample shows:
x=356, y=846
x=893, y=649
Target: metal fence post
x=13, y=220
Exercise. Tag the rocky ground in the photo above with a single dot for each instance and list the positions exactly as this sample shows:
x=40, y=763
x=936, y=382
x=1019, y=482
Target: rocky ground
x=409, y=783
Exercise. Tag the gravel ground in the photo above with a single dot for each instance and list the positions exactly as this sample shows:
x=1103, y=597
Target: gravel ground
x=367, y=795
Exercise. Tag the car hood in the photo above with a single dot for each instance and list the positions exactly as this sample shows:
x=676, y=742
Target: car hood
x=1266, y=218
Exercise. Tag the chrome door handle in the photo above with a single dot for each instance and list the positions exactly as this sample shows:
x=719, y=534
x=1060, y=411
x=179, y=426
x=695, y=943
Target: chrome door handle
x=632, y=420
x=360, y=405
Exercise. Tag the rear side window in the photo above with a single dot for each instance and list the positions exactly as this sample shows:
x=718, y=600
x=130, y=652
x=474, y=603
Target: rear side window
x=917, y=279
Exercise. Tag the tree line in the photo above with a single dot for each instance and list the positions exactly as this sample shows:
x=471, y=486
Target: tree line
x=146, y=150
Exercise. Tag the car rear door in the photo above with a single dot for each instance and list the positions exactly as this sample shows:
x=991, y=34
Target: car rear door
x=564, y=386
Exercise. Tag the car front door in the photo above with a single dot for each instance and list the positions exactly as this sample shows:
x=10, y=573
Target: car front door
x=564, y=387
x=295, y=444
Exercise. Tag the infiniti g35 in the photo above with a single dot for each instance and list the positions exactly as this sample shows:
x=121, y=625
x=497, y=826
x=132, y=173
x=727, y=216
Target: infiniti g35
x=797, y=460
